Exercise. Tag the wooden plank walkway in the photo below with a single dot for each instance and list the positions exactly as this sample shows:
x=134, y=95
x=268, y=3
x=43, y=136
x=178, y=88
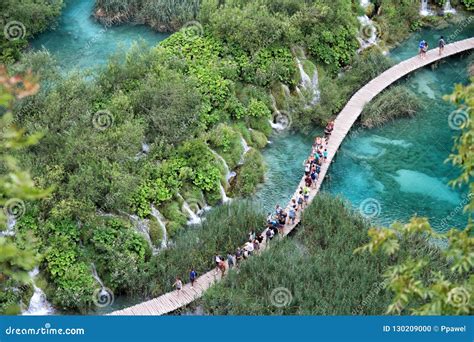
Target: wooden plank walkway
x=172, y=301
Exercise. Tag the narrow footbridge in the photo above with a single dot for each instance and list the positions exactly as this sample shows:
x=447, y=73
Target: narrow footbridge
x=172, y=301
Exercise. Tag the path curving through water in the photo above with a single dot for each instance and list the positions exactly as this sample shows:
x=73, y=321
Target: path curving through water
x=173, y=300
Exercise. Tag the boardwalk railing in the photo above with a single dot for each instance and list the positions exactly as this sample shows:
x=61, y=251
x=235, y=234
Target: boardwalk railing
x=174, y=300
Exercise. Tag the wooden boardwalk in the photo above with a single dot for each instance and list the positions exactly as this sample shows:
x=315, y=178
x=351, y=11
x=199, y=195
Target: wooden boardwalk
x=172, y=301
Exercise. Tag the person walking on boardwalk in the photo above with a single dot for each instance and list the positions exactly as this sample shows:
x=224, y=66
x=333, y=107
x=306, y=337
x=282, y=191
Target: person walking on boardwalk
x=192, y=277
x=217, y=260
x=178, y=284
x=441, y=44
x=421, y=47
x=230, y=260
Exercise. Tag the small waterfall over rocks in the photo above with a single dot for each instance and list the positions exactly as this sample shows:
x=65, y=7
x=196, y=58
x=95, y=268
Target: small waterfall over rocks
x=310, y=84
x=159, y=218
x=39, y=305
x=229, y=174
x=448, y=9
x=277, y=122
x=425, y=9
x=193, y=218
x=246, y=148
x=225, y=199
x=10, y=231
x=142, y=227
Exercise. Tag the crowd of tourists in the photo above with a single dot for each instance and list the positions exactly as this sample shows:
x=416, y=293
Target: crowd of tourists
x=279, y=218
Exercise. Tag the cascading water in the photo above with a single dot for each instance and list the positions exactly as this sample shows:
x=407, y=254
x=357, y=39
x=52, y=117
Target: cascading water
x=225, y=199
x=309, y=83
x=10, y=231
x=367, y=34
x=145, y=148
x=159, y=218
x=275, y=122
x=246, y=148
x=193, y=218
x=141, y=226
x=229, y=174
x=365, y=3
x=448, y=8
x=425, y=9
x=39, y=305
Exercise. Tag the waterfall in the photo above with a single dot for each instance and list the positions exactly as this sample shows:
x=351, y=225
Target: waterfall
x=365, y=3
x=367, y=27
x=145, y=148
x=10, y=231
x=246, y=149
x=96, y=276
x=225, y=199
x=448, y=8
x=141, y=226
x=39, y=305
x=425, y=8
x=159, y=218
x=192, y=216
x=229, y=174
x=308, y=83
x=276, y=122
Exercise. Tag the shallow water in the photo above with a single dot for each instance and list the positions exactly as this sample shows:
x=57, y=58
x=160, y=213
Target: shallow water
x=78, y=41
x=401, y=166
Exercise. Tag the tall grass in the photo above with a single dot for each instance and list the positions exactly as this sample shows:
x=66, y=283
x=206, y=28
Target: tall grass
x=317, y=267
x=393, y=103
x=162, y=15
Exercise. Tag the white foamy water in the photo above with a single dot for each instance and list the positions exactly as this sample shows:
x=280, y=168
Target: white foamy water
x=39, y=305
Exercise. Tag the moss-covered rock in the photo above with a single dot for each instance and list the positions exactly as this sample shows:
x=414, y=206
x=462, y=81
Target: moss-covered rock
x=250, y=174
x=258, y=139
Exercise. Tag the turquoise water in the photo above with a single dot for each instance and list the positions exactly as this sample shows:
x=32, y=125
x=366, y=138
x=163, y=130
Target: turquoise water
x=399, y=166
x=80, y=42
